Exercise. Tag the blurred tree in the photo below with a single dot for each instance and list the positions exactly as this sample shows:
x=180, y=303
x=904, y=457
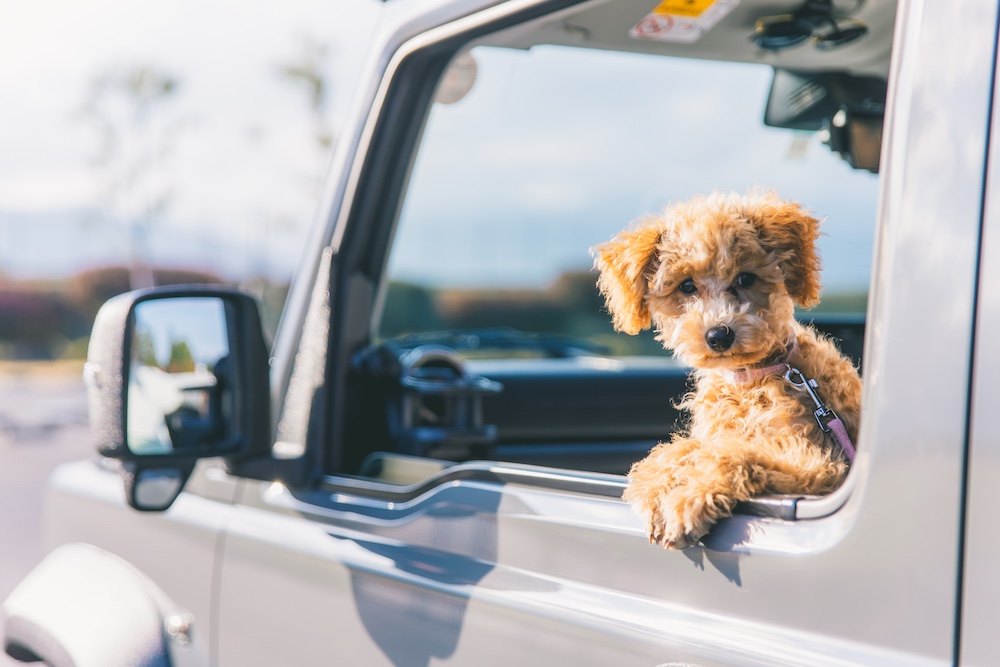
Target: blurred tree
x=307, y=71
x=88, y=291
x=145, y=349
x=409, y=308
x=39, y=320
x=128, y=108
x=181, y=359
x=33, y=322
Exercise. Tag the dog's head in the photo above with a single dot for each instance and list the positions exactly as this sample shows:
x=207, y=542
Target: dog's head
x=717, y=276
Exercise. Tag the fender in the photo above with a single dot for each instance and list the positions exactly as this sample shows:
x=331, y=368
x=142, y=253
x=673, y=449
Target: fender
x=84, y=607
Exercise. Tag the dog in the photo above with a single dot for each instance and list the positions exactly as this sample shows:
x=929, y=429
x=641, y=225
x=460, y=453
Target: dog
x=775, y=406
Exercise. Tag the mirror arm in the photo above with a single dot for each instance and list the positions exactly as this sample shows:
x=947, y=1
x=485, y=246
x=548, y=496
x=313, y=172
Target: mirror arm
x=154, y=486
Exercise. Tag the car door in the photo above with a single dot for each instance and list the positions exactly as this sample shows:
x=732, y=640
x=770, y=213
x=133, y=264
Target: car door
x=370, y=555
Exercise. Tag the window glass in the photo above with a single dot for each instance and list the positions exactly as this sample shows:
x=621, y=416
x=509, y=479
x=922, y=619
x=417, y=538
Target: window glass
x=556, y=149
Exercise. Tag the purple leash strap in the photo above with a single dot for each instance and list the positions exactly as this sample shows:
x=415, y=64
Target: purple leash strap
x=840, y=435
x=825, y=417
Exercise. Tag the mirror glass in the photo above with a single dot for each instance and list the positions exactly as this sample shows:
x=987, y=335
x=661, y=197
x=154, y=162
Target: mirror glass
x=176, y=375
x=157, y=489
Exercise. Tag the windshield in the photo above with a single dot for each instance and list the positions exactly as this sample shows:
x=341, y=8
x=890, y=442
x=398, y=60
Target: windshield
x=555, y=149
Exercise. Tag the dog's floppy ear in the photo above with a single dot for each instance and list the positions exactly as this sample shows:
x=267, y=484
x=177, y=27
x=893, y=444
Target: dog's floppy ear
x=789, y=231
x=624, y=263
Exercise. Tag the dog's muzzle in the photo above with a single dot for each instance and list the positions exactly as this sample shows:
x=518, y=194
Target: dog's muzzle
x=720, y=338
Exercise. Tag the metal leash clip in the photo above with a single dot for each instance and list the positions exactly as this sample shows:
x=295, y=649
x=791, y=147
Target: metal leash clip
x=825, y=417
x=823, y=414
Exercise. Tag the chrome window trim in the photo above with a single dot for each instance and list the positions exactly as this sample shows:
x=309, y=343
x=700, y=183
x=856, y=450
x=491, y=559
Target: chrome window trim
x=481, y=471
x=788, y=507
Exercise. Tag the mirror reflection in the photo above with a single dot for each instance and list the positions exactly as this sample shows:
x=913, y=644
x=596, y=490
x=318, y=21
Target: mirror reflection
x=179, y=353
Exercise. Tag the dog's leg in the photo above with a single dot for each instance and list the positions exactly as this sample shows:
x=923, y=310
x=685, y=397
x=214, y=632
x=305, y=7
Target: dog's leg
x=650, y=482
x=684, y=487
x=714, y=485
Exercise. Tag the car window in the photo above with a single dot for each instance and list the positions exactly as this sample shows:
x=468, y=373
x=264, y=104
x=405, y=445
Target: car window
x=555, y=149
x=491, y=339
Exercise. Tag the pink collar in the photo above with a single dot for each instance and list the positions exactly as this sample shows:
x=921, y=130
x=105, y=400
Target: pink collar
x=774, y=367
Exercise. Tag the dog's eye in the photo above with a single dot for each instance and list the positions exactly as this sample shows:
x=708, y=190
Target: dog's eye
x=745, y=280
x=688, y=287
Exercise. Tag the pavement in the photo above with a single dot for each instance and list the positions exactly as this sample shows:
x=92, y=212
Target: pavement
x=43, y=423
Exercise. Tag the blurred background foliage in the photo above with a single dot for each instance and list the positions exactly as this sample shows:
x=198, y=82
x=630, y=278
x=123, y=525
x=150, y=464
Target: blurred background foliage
x=571, y=306
x=45, y=319
x=52, y=320
x=140, y=130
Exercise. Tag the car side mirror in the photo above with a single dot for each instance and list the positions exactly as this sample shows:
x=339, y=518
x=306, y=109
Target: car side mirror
x=175, y=375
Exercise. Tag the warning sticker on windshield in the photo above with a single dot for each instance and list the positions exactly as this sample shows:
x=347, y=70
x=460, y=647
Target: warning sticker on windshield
x=681, y=20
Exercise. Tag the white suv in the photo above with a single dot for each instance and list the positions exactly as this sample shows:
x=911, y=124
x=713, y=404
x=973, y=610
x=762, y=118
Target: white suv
x=426, y=465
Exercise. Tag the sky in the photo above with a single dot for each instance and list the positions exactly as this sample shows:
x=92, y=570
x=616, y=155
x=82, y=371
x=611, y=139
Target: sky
x=223, y=173
x=241, y=170
x=566, y=147
x=200, y=322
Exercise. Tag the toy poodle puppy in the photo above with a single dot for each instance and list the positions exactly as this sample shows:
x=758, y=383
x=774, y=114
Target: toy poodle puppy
x=775, y=406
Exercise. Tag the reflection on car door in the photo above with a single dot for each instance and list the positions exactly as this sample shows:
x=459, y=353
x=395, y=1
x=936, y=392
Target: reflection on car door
x=516, y=567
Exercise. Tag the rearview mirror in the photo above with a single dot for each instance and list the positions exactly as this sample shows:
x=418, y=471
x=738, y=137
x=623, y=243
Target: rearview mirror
x=175, y=375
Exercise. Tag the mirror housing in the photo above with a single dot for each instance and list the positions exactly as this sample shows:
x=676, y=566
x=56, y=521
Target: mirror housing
x=174, y=375
x=847, y=109
x=855, y=133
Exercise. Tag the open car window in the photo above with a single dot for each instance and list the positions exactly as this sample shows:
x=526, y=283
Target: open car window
x=491, y=340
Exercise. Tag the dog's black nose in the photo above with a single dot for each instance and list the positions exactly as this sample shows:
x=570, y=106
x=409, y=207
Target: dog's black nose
x=720, y=338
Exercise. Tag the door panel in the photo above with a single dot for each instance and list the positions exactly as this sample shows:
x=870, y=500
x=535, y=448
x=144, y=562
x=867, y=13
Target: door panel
x=176, y=549
x=493, y=573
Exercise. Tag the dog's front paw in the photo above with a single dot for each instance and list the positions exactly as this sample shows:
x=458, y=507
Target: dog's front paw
x=675, y=509
x=670, y=537
x=679, y=517
x=664, y=524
